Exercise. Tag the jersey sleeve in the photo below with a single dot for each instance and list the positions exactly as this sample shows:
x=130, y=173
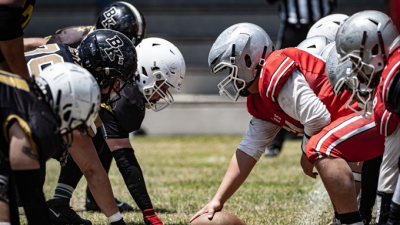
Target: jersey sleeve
x=258, y=137
x=299, y=101
x=129, y=111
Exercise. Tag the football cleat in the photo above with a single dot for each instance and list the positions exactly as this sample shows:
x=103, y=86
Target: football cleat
x=62, y=214
x=91, y=205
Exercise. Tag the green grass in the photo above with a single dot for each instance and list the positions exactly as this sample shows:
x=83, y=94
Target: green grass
x=183, y=173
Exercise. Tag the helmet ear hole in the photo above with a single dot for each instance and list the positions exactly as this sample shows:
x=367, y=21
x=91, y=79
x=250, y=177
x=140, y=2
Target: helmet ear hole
x=375, y=50
x=144, y=72
x=247, y=61
x=66, y=115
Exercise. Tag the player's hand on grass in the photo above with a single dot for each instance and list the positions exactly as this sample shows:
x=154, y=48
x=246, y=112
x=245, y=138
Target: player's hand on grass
x=307, y=167
x=210, y=209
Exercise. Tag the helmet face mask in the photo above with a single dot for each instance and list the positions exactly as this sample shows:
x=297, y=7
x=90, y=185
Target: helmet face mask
x=72, y=93
x=232, y=85
x=160, y=67
x=242, y=48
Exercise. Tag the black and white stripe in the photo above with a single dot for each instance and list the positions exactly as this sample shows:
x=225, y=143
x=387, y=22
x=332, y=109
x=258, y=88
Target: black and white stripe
x=305, y=11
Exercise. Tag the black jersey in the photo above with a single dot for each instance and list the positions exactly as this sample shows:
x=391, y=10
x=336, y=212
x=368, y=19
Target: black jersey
x=71, y=36
x=22, y=105
x=125, y=115
x=46, y=55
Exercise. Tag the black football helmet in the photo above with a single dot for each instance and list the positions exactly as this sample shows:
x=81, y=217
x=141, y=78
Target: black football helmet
x=108, y=55
x=125, y=18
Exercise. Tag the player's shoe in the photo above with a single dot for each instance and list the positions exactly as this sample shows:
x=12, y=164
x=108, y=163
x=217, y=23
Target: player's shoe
x=91, y=205
x=62, y=214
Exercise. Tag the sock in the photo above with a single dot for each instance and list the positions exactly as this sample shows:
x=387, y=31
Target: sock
x=369, y=185
x=350, y=218
x=337, y=218
x=105, y=159
x=133, y=177
x=116, y=217
x=152, y=217
x=69, y=178
x=394, y=212
x=31, y=193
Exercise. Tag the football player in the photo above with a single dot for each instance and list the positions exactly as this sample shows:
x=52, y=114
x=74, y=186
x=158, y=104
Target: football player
x=366, y=62
x=161, y=66
x=119, y=16
x=289, y=89
x=111, y=57
x=36, y=117
x=14, y=16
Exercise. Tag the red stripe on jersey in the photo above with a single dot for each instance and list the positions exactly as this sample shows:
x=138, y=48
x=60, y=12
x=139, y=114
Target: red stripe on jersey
x=282, y=69
x=351, y=138
x=383, y=126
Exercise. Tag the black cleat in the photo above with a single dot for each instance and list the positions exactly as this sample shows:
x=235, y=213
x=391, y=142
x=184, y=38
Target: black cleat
x=62, y=214
x=91, y=205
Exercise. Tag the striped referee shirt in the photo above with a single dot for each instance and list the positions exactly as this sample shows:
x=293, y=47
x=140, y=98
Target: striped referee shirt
x=304, y=11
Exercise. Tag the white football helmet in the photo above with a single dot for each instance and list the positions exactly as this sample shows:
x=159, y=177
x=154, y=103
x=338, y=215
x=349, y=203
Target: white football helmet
x=314, y=45
x=364, y=43
x=242, y=48
x=327, y=26
x=159, y=62
x=73, y=94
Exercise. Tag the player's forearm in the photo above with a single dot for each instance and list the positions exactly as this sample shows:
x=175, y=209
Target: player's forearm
x=239, y=169
x=84, y=154
x=13, y=51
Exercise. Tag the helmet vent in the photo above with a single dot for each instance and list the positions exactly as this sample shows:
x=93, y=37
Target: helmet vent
x=172, y=52
x=373, y=21
x=375, y=50
x=155, y=44
x=336, y=22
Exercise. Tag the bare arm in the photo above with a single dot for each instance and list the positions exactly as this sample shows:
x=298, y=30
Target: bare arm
x=239, y=169
x=31, y=43
x=85, y=156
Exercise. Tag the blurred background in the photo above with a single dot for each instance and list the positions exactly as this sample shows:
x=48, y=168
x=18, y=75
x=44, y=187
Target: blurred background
x=193, y=26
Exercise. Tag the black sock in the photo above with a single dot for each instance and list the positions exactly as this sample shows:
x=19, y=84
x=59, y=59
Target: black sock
x=337, y=215
x=133, y=177
x=105, y=159
x=70, y=175
x=31, y=194
x=349, y=218
x=369, y=185
x=394, y=212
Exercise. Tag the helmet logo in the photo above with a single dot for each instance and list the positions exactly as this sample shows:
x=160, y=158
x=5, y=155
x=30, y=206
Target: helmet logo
x=108, y=17
x=115, y=43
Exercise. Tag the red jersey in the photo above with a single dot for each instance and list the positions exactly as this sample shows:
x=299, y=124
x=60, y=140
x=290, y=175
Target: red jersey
x=385, y=120
x=276, y=71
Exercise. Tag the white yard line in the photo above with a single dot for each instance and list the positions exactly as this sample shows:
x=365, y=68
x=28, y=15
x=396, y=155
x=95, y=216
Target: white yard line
x=318, y=200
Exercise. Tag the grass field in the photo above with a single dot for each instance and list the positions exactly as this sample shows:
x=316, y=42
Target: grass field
x=183, y=173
